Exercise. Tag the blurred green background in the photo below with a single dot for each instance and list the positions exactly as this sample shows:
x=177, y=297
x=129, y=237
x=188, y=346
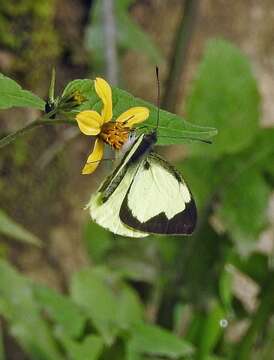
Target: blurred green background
x=84, y=294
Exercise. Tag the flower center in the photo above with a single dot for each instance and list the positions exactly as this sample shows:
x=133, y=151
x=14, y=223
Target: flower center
x=114, y=134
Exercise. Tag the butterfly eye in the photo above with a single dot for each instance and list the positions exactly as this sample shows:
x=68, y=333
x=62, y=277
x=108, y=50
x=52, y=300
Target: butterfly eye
x=132, y=136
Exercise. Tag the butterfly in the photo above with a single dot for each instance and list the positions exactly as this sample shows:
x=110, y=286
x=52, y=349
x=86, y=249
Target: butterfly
x=144, y=195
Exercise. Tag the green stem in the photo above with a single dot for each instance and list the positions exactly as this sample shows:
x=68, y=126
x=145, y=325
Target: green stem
x=259, y=321
x=2, y=349
x=43, y=120
x=178, y=59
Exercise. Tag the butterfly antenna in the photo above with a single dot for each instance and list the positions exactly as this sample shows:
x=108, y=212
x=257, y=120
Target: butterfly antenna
x=158, y=96
x=186, y=138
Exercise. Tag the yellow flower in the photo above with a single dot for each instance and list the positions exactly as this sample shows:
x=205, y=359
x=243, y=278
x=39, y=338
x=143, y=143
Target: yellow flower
x=113, y=133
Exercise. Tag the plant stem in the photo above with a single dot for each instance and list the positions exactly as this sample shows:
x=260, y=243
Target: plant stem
x=2, y=349
x=179, y=55
x=6, y=140
x=110, y=41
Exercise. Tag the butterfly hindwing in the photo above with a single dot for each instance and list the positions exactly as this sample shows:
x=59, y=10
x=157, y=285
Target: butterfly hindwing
x=104, y=205
x=167, y=206
x=112, y=181
x=106, y=212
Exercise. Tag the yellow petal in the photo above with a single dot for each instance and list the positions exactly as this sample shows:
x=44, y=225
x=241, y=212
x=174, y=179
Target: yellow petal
x=134, y=116
x=105, y=94
x=89, y=122
x=94, y=158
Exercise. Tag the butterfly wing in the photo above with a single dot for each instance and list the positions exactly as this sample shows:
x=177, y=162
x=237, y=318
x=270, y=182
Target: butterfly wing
x=105, y=212
x=158, y=200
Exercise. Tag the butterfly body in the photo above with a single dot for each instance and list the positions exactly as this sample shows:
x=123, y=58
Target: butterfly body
x=145, y=146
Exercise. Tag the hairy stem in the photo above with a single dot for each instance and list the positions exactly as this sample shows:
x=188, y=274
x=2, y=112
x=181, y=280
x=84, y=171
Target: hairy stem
x=6, y=140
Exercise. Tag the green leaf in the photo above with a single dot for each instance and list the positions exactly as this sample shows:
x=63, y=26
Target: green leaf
x=19, y=308
x=198, y=174
x=211, y=332
x=133, y=269
x=107, y=301
x=225, y=95
x=130, y=309
x=98, y=241
x=89, y=349
x=132, y=37
x=2, y=348
x=85, y=88
x=12, y=95
x=9, y=227
x=255, y=266
x=172, y=129
x=90, y=290
x=225, y=287
x=134, y=260
x=155, y=341
x=67, y=315
x=243, y=209
x=129, y=34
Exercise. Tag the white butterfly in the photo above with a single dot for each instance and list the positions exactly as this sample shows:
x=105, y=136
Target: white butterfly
x=144, y=195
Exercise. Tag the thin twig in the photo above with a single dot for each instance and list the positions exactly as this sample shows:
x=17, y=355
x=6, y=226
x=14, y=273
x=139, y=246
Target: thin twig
x=6, y=140
x=179, y=54
x=66, y=136
x=110, y=41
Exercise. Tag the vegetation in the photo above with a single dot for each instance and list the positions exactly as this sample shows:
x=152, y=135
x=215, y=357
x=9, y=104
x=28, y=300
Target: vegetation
x=204, y=297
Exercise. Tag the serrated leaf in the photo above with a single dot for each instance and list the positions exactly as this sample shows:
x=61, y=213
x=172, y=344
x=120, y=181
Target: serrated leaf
x=107, y=301
x=88, y=349
x=67, y=315
x=172, y=128
x=155, y=341
x=225, y=95
x=18, y=307
x=9, y=227
x=12, y=95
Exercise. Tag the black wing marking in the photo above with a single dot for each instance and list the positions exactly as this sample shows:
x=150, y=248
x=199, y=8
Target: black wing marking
x=183, y=223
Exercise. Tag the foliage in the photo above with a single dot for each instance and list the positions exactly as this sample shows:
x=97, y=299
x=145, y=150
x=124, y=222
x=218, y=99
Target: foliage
x=172, y=298
x=225, y=95
x=12, y=95
x=172, y=130
x=9, y=227
x=29, y=22
x=102, y=314
x=231, y=181
x=129, y=35
x=242, y=151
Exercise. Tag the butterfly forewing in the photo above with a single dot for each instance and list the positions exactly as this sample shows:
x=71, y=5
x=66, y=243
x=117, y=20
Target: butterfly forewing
x=106, y=213
x=158, y=200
